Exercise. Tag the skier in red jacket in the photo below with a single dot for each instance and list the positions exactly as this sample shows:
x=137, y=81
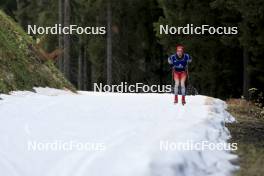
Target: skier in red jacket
x=179, y=62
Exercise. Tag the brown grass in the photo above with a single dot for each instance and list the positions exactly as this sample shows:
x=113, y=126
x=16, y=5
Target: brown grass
x=248, y=132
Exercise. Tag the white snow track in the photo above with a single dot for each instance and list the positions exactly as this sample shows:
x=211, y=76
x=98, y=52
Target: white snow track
x=131, y=128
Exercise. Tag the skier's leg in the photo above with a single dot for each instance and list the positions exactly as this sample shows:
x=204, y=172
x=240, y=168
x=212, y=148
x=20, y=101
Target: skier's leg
x=176, y=86
x=183, y=80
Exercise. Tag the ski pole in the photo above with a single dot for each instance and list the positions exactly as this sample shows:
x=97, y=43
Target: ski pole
x=188, y=74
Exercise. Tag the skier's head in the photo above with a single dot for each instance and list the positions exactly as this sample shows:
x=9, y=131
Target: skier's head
x=179, y=50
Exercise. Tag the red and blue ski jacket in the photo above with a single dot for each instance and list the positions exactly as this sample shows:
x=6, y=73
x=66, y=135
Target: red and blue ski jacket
x=179, y=64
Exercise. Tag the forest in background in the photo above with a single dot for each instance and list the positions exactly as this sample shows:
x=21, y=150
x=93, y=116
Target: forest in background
x=223, y=66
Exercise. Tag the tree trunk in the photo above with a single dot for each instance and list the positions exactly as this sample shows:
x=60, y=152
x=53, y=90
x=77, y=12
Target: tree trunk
x=80, y=67
x=19, y=5
x=161, y=65
x=67, y=40
x=61, y=14
x=84, y=68
x=245, y=73
x=109, y=44
x=89, y=72
x=19, y=15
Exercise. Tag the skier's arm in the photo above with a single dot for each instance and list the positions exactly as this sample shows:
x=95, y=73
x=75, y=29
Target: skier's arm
x=169, y=60
x=189, y=59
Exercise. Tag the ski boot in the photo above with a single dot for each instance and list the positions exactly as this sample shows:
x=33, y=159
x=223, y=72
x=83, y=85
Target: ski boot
x=183, y=100
x=176, y=99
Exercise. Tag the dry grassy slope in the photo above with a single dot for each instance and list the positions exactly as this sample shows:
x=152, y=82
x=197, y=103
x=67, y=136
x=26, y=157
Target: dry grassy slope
x=248, y=132
x=20, y=69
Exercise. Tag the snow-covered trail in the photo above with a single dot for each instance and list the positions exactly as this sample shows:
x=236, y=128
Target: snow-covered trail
x=131, y=128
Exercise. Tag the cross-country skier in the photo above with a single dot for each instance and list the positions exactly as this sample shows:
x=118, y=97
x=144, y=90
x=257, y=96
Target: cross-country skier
x=179, y=63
